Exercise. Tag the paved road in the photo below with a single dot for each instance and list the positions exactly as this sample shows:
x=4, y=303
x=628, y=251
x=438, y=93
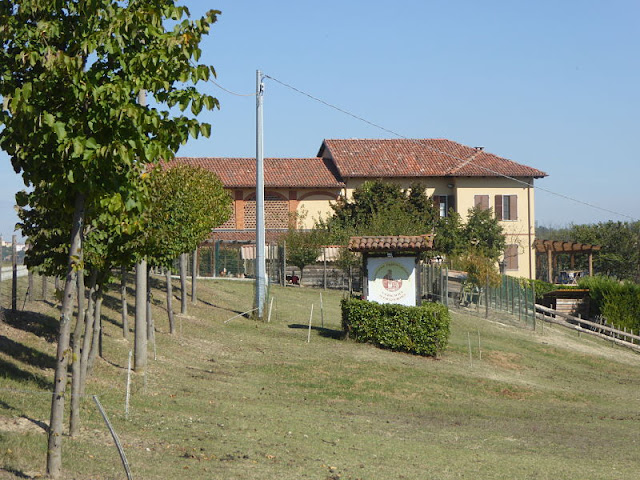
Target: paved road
x=7, y=272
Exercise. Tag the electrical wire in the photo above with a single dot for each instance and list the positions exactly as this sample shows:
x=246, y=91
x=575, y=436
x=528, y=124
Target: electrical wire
x=469, y=160
x=232, y=93
x=225, y=89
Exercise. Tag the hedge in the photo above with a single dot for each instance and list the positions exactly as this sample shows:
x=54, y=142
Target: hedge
x=421, y=330
x=618, y=301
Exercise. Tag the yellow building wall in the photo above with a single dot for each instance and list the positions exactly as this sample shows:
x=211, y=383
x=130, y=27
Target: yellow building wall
x=314, y=206
x=521, y=231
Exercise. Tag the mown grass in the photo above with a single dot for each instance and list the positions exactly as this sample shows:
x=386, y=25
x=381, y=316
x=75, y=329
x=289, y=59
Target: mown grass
x=248, y=400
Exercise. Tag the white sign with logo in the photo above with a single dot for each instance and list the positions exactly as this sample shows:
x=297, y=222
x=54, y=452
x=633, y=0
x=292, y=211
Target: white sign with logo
x=392, y=280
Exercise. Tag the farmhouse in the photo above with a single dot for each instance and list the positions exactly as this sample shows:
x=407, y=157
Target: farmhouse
x=457, y=176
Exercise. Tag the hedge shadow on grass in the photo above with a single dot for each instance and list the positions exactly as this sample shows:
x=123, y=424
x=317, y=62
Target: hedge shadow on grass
x=322, y=331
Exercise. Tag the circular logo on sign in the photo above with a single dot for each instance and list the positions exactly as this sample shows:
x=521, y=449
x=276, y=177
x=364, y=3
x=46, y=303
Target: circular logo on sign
x=389, y=283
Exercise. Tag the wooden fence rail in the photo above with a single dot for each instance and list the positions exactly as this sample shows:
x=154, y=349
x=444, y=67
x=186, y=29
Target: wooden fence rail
x=619, y=337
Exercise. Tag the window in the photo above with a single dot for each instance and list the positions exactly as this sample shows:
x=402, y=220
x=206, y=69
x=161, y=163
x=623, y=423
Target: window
x=444, y=203
x=506, y=207
x=481, y=202
x=511, y=257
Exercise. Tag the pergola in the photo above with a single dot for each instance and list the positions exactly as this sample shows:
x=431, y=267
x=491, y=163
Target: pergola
x=553, y=248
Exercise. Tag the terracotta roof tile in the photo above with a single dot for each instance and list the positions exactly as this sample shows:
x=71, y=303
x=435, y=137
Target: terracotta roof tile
x=391, y=243
x=278, y=172
x=418, y=158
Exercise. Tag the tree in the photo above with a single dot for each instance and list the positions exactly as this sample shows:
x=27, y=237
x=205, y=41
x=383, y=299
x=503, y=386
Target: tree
x=187, y=203
x=380, y=208
x=70, y=74
x=302, y=248
x=620, y=242
x=484, y=234
x=620, y=253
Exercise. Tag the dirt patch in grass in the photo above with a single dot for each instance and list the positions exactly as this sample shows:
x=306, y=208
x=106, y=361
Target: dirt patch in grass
x=509, y=361
x=22, y=425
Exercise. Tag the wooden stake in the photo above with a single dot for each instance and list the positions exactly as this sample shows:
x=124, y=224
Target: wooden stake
x=310, y=317
x=270, y=308
x=126, y=399
x=470, y=355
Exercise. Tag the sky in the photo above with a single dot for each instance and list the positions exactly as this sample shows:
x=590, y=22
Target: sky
x=553, y=85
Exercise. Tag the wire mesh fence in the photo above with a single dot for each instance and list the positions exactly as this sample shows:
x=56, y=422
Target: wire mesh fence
x=235, y=260
x=513, y=300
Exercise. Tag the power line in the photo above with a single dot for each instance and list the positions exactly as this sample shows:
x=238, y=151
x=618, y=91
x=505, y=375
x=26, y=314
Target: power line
x=380, y=127
x=232, y=93
x=225, y=89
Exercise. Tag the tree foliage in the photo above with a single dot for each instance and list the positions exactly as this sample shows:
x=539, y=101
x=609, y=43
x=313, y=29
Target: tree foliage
x=71, y=75
x=380, y=208
x=186, y=204
x=620, y=242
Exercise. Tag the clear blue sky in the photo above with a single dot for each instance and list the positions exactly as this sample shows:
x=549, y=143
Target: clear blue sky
x=554, y=85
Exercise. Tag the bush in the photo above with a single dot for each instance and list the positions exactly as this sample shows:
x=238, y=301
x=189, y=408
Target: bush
x=540, y=288
x=618, y=302
x=421, y=330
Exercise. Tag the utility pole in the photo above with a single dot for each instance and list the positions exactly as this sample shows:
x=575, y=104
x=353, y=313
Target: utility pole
x=140, y=335
x=260, y=224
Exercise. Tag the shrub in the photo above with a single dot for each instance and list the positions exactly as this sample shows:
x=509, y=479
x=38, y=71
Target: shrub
x=421, y=330
x=540, y=288
x=618, y=302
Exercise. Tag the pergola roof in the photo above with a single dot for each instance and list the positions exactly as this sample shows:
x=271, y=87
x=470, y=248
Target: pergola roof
x=564, y=247
x=398, y=243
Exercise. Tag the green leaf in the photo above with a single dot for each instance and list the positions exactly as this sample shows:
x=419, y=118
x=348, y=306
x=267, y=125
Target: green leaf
x=205, y=129
x=58, y=128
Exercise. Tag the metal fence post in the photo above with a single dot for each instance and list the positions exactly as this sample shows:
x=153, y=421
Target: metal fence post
x=446, y=286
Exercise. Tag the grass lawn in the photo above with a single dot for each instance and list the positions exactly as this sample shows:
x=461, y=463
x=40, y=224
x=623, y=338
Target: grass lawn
x=248, y=400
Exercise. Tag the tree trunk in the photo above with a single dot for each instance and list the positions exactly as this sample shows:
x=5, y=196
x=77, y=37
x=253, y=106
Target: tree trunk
x=74, y=419
x=172, y=324
x=123, y=297
x=183, y=283
x=30, y=286
x=90, y=319
x=140, y=338
x=97, y=328
x=54, y=450
x=194, y=274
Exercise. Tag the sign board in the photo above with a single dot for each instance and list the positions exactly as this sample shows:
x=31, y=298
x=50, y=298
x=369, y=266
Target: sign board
x=392, y=280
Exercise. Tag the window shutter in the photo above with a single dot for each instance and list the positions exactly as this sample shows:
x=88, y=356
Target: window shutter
x=511, y=257
x=436, y=203
x=481, y=202
x=498, y=206
x=451, y=203
x=513, y=210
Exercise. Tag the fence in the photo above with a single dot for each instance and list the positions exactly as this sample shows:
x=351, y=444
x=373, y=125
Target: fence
x=238, y=261
x=512, y=300
x=599, y=328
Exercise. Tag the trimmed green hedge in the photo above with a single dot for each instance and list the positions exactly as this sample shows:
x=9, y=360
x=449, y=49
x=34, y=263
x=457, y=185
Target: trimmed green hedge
x=618, y=301
x=421, y=330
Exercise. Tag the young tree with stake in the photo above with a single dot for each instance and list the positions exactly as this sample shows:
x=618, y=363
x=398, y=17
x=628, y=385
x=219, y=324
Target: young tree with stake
x=70, y=73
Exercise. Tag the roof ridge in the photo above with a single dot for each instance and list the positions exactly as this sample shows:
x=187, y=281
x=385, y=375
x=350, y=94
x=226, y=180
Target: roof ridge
x=466, y=162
